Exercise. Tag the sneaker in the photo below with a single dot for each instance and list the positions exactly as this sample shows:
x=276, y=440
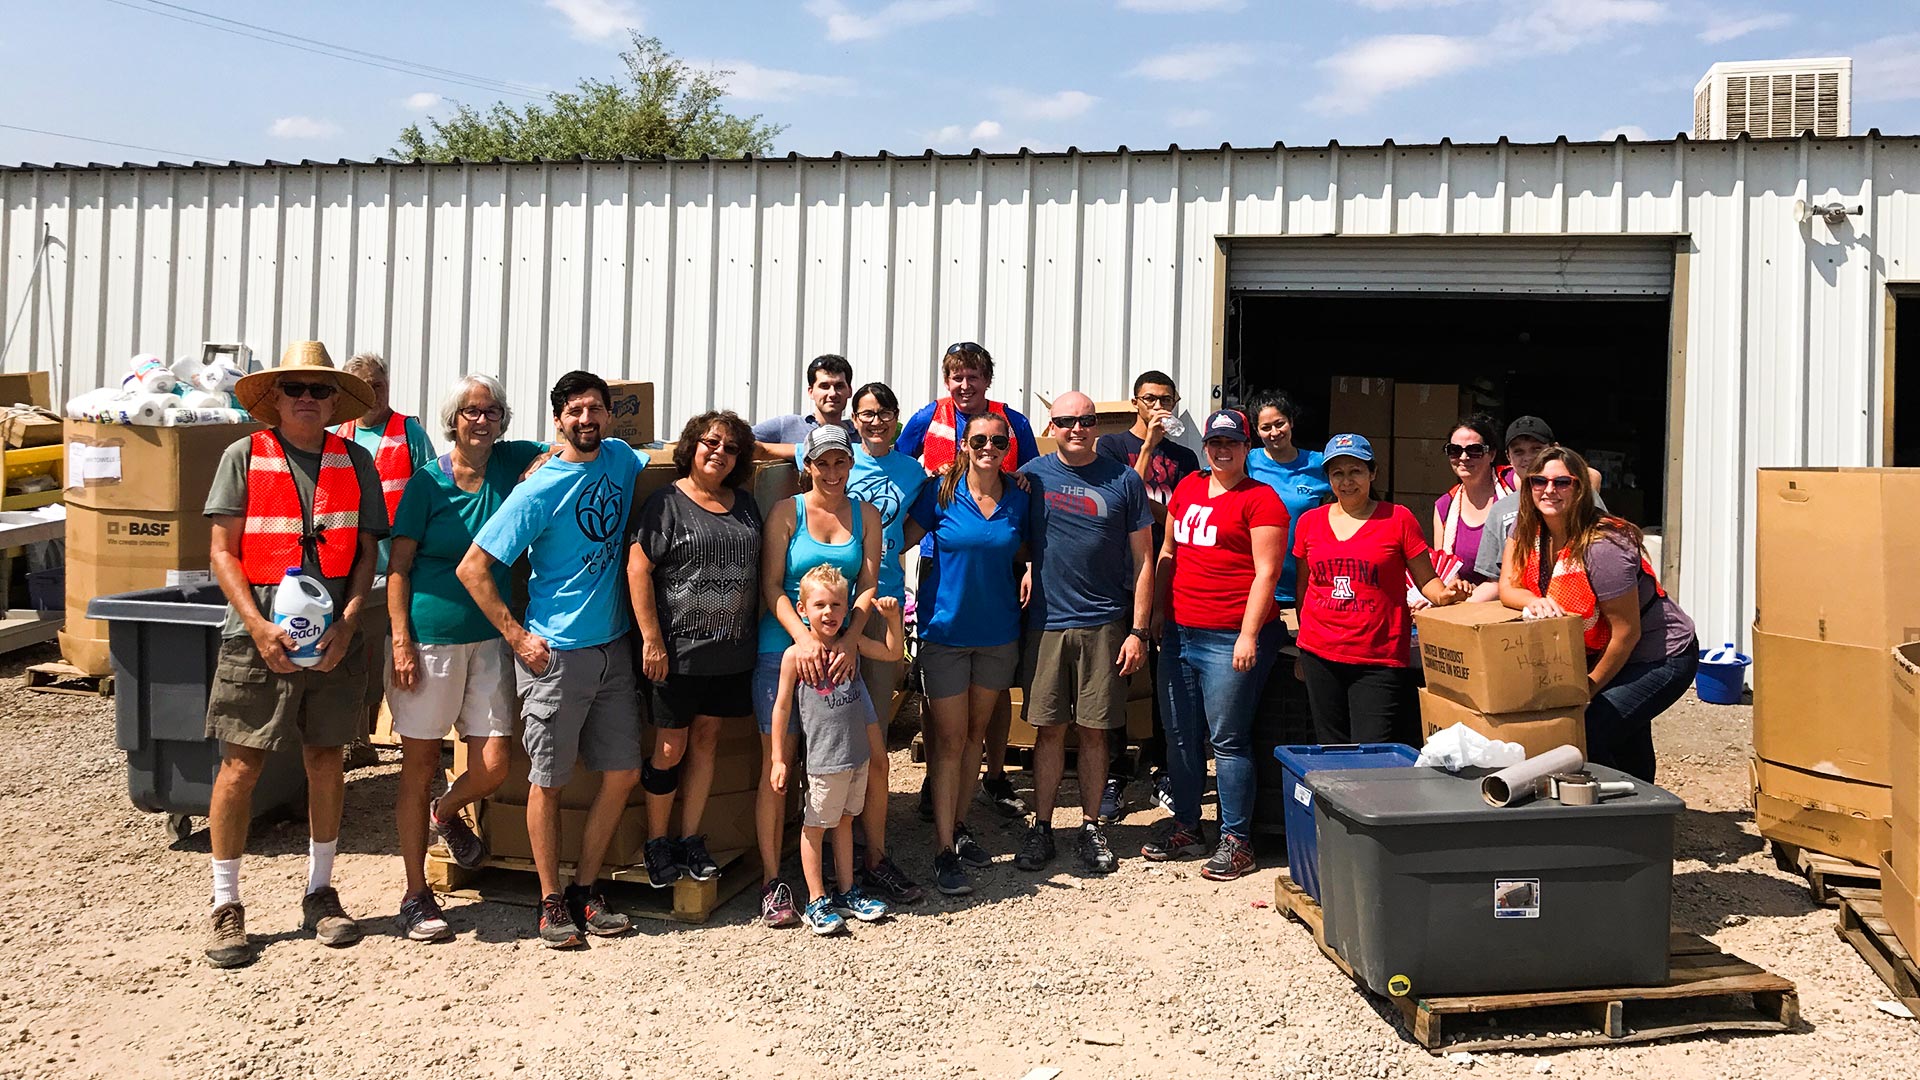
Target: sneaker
x=557, y=928
x=776, y=905
x=590, y=911
x=695, y=860
x=1174, y=841
x=462, y=843
x=855, y=904
x=822, y=919
x=892, y=884
x=970, y=852
x=1095, y=853
x=321, y=913
x=662, y=868
x=1113, y=800
x=421, y=919
x=1162, y=789
x=362, y=755
x=949, y=876
x=926, y=799
x=997, y=792
x=1233, y=858
x=227, y=943
x=1036, y=851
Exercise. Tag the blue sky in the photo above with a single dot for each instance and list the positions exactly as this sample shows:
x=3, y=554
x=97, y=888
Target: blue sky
x=867, y=75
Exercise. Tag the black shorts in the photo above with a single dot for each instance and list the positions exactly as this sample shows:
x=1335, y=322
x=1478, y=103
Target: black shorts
x=682, y=697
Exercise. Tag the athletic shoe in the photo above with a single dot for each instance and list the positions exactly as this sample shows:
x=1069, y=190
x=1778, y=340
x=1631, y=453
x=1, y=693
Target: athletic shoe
x=695, y=860
x=1113, y=800
x=420, y=918
x=321, y=913
x=1036, y=851
x=462, y=843
x=1162, y=789
x=227, y=943
x=949, y=876
x=926, y=799
x=662, y=868
x=362, y=755
x=1174, y=841
x=776, y=905
x=892, y=884
x=1233, y=858
x=970, y=852
x=822, y=919
x=855, y=904
x=997, y=792
x=1095, y=853
x=589, y=910
x=557, y=928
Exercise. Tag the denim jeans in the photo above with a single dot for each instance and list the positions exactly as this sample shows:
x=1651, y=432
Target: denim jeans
x=1620, y=716
x=1208, y=705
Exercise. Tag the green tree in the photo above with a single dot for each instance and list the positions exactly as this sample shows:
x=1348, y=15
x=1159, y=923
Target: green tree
x=664, y=108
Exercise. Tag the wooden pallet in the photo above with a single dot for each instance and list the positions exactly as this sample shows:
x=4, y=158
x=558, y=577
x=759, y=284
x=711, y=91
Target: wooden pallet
x=1864, y=926
x=61, y=678
x=1826, y=875
x=514, y=881
x=1707, y=991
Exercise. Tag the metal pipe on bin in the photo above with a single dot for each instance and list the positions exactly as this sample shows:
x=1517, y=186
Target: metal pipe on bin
x=1519, y=783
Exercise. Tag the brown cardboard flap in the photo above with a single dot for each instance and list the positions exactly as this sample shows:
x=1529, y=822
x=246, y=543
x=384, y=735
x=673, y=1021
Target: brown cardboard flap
x=1900, y=902
x=1842, y=818
x=1823, y=707
x=1876, y=602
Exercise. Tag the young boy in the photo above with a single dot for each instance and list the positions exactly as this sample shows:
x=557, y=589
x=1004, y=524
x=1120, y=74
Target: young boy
x=834, y=720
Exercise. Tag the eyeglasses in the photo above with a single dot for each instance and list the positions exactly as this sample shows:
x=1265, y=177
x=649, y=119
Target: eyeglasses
x=1472, y=451
x=1158, y=401
x=981, y=442
x=1068, y=423
x=318, y=391
x=1560, y=483
x=717, y=445
x=876, y=416
x=476, y=414
x=966, y=347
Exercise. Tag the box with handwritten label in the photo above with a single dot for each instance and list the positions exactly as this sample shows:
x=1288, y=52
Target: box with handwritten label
x=1488, y=657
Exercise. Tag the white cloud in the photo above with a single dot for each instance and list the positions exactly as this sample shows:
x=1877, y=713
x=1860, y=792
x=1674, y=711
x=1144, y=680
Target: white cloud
x=1633, y=132
x=1728, y=27
x=1190, y=118
x=597, y=20
x=1195, y=63
x=1887, y=69
x=980, y=134
x=751, y=82
x=1064, y=105
x=422, y=101
x=1181, y=7
x=1405, y=5
x=1563, y=25
x=1380, y=65
x=302, y=127
x=843, y=24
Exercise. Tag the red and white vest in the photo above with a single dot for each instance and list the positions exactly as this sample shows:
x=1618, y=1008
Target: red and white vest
x=393, y=460
x=277, y=533
x=937, y=449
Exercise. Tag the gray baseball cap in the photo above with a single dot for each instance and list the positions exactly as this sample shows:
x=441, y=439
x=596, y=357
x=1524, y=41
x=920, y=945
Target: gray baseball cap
x=824, y=438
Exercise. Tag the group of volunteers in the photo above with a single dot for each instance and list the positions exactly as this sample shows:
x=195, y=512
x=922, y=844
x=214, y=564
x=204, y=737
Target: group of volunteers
x=1062, y=573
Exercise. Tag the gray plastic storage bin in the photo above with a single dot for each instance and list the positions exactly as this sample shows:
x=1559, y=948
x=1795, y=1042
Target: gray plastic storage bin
x=164, y=643
x=1426, y=890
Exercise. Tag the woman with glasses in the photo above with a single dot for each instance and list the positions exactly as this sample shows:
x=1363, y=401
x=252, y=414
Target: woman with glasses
x=976, y=522
x=1460, y=516
x=694, y=573
x=1567, y=558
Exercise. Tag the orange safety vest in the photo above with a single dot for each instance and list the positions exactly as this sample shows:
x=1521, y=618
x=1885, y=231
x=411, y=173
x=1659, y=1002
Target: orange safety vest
x=1572, y=589
x=943, y=433
x=278, y=532
x=393, y=461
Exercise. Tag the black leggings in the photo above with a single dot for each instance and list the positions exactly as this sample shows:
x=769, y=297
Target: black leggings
x=1360, y=703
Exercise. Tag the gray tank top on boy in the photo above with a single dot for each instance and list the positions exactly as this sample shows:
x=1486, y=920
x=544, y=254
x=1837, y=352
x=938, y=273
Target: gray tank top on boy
x=834, y=721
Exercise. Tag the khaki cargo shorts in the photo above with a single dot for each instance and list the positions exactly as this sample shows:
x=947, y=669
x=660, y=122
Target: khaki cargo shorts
x=1071, y=676
x=253, y=705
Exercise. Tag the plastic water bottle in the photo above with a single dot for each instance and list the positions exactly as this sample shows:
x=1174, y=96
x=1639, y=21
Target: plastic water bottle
x=1173, y=426
x=304, y=609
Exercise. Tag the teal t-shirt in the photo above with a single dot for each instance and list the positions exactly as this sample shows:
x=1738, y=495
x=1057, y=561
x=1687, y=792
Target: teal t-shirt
x=1302, y=485
x=418, y=446
x=443, y=520
x=890, y=484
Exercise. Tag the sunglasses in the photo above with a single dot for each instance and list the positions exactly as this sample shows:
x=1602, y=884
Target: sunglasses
x=981, y=442
x=318, y=391
x=1068, y=423
x=476, y=414
x=966, y=347
x=1558, y=483
x=717, y=445
x=871, y=416
x=1472, y=452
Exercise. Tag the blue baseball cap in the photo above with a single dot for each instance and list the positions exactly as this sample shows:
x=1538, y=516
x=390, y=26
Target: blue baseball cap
x=1348, y=445
x=1226, y=424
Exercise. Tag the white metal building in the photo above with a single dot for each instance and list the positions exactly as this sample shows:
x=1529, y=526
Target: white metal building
x=719, y=279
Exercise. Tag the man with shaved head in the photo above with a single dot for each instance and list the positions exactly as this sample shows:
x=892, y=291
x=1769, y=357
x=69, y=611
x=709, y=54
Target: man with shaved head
x=1088, y=593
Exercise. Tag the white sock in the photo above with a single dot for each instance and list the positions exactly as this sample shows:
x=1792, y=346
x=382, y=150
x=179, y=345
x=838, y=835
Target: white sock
x=226, y=881
x=320, y=864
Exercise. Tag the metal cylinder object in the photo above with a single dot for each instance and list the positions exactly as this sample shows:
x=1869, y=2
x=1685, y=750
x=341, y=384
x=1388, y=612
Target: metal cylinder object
x=1519, y=783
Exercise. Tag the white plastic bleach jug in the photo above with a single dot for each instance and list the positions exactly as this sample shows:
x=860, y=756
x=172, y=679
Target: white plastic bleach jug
x=303, y=608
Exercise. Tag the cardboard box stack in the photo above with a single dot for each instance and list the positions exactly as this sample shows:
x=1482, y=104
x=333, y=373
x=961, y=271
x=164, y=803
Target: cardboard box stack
x=1424, y=415
x=20, y=425
x=1900, y=865
x=1823, y=697
x=1504, y=677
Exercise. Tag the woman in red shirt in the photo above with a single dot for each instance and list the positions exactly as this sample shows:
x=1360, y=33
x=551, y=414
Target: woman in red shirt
x=1356, y=632
x=1226, y=534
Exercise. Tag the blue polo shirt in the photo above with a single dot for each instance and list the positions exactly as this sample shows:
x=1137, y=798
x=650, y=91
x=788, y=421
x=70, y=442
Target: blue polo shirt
x=970, y=596
x=1302, y=485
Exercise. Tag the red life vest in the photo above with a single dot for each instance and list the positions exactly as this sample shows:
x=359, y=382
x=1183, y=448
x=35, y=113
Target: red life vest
x=393, y=460
x=277, y=533
x=1572, y=589
x=937, y=449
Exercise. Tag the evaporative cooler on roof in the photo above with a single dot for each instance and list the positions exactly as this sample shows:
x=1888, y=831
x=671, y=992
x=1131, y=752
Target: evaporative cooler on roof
x=1776, y=99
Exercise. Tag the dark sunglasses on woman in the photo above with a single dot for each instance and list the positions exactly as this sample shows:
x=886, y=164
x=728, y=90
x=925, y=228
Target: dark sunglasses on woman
x=1471, y=451
x=981, y=442
x=1560, y=483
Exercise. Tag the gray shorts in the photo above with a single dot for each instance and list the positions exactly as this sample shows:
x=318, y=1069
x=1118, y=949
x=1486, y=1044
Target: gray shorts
x=584, y=707
x=949, y=670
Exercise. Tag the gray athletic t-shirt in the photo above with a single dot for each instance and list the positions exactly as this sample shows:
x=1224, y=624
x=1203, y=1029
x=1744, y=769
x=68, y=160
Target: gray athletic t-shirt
x=1499, y=529
x=834, y=721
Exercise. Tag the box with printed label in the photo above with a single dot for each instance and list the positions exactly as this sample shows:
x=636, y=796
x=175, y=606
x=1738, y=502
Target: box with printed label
x=1488, y=657
x=631, y=404
x=117, y=551
x=1538, y=732
x=1360, y=405
x=1427, y=410
x=134, y=467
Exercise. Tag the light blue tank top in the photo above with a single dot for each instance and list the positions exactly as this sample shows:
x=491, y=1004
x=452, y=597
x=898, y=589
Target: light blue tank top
x=803, y=554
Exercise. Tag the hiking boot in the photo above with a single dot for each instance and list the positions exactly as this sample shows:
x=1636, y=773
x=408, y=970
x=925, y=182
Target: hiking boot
x=892, y=884
x=970, y=852
x=321, y=913
x=590, y=911
x=949, y=876
x=695, y=859
x=776, y=905
x=822, y=919
x=1162, y=784
x=926, y=799
x=1036, y=851
x=227, y=944
x=1113, y=800
x=557, y=928
x=662, y=869
x=1232, y=858
x=362, y=755
x=1174, y=841
x=461, y=842
x=855, y=904
x=421, y=919
x=1095, y=853
x=997, y=792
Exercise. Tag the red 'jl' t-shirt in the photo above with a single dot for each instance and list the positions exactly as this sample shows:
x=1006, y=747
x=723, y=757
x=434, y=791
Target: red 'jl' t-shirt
x=1353, y=593
x=1213, y=549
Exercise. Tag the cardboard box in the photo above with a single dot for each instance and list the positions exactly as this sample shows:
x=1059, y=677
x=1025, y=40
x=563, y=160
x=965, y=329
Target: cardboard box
x=116, y=551
x=1421, y=465
x=24, y=429
x=1361, y=405
x=1428, y=410
x=1421, y=503
x=773, y=481
x=133, y=467
x=1823, y=707
x=1904, y=760
x=1537, y=731
x=26, y=388
x=736, y=767
x=1843, y=818
x=632, y=407
x=504, y=826
x=1876, y=603
x=1115, y=416
x=1900, y=902
x=1486, y=657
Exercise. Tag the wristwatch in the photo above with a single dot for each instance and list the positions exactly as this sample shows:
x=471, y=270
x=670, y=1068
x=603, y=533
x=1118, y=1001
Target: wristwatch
x=1141, y=633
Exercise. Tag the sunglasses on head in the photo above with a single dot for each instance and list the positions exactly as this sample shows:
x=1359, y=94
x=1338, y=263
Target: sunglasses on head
x=1472, y=451
x=965, y=347
x=1068, y=423
x=717, y=445
x=318, y=391
x=1558, y=483
x=981, y=442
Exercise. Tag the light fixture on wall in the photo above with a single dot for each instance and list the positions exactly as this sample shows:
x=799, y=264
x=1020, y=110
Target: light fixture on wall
x=1833, y=213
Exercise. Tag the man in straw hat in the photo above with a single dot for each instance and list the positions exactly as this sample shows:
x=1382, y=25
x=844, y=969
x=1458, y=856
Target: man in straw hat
x=292, y=495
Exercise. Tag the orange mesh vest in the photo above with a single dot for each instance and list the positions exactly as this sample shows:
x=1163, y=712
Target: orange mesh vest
x=277, y=532
x=1573, y=591
x=937, y=449
x=393, y=460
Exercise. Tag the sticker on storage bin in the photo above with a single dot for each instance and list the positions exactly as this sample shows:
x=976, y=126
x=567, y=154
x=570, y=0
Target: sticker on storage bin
x=1516, y=898
x=187, y=579
x=1301, y=795
x=1399, y=986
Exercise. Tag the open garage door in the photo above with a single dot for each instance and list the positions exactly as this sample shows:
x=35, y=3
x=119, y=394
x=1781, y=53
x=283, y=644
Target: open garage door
x=1594, y=266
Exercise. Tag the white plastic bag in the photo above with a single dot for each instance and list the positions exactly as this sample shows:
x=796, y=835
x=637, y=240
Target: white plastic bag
x=1459, y=746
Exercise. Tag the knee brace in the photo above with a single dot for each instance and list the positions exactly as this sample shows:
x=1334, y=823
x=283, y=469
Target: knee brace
x=659, y=781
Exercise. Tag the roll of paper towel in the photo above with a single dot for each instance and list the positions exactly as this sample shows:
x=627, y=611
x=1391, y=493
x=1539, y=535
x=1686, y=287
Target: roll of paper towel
x=146, y=408
x=201, y=399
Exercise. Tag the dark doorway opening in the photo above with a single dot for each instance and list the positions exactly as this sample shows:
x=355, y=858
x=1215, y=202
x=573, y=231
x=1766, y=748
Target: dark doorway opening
x=1906, y=380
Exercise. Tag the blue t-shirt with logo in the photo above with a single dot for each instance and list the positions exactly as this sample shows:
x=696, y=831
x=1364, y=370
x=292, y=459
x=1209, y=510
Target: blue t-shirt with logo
x=889, y=484
x=1302, y=485
x=970, y=595
x=571, y=518
x=1084, y=517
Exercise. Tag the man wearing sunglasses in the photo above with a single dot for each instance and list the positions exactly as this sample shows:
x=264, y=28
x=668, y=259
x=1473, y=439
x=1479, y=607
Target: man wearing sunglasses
x=829, y=384
x=1526, y=438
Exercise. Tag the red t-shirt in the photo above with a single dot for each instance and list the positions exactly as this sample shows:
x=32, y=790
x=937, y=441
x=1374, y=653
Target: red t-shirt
x=1213, y=549
x=1353, y=592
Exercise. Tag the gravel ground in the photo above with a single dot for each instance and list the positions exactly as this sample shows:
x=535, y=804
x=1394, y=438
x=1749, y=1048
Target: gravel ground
x=101, y=975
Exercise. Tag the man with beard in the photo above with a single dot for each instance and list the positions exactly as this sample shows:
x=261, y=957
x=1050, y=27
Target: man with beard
x=574, y=664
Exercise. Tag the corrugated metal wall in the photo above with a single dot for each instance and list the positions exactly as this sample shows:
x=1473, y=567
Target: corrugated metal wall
x=719, y=279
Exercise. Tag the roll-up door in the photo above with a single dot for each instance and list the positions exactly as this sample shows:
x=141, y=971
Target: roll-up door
x=1558, y=265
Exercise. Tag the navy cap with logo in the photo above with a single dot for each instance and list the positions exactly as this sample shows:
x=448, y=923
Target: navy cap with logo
x=1348, y=445
x=1532, y=427
x=1227, y=424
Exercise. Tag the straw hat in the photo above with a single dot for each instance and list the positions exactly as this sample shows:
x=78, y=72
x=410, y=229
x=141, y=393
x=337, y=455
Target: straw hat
x=255, y=391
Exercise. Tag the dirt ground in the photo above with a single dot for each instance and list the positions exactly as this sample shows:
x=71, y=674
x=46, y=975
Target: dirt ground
x=101, y=973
